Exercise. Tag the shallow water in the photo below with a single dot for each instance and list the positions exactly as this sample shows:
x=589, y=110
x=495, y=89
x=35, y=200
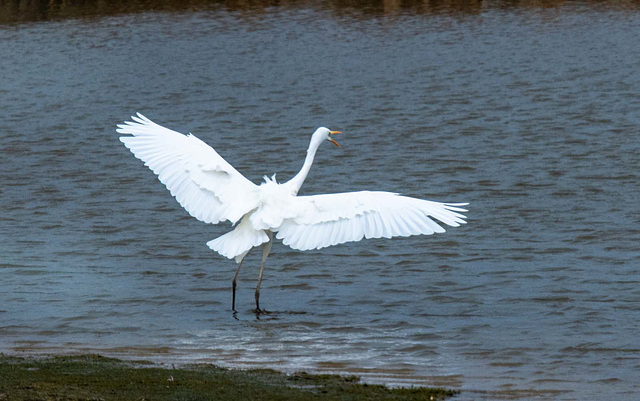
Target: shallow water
x=529, y=113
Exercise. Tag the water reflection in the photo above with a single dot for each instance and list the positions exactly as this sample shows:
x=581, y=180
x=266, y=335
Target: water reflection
x=43, y=10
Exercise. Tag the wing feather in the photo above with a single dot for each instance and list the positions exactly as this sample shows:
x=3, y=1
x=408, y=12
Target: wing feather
x=205, y=184
x=319, y=221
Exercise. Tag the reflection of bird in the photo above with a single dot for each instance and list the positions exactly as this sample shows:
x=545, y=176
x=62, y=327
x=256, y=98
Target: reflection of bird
x=211, y=190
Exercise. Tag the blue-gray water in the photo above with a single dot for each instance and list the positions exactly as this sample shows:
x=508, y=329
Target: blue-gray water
x=531, y=114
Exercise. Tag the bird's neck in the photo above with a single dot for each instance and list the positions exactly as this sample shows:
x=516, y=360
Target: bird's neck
x=296, y=182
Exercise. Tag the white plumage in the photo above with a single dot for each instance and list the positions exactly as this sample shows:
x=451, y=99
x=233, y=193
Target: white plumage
x=208, y=187
x=320, y=221
x=211, y=190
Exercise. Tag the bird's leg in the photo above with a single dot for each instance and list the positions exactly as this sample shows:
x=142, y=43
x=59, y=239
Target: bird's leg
x=233, y=287
x=265, y=252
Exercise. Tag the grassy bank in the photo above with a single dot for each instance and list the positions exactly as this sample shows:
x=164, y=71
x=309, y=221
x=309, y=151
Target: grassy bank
x=93, y=377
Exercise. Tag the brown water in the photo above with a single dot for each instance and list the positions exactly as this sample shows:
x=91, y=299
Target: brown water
x=529, y=112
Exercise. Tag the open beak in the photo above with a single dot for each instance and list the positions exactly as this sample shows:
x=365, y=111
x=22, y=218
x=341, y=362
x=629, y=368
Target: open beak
x=333, y=140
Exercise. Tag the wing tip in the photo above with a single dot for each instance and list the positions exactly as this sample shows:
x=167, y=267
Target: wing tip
x=456, y=207
x=138, y=118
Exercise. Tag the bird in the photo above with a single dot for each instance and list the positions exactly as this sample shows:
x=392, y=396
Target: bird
x=213, y=191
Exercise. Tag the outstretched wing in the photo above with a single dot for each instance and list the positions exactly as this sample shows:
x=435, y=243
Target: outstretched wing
x=319, y=221
x=208, y=187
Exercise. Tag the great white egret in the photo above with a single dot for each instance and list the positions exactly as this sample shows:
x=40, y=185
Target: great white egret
x=211, y=190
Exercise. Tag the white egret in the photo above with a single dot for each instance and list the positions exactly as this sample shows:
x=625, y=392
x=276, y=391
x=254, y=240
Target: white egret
x=211, y=190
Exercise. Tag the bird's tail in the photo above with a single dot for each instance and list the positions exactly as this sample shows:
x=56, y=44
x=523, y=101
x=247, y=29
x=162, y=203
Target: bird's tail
x=237, y=243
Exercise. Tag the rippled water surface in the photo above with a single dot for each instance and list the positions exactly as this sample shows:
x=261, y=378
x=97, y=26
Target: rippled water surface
x=529, y=113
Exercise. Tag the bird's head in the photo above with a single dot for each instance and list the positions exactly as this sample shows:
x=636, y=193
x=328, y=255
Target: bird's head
x=323, y=133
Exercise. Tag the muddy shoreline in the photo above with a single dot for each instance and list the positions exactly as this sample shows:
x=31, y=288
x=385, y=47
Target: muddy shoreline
x=91, y=376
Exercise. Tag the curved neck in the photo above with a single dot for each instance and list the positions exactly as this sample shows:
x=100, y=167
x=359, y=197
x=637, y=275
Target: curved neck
x=296, y=182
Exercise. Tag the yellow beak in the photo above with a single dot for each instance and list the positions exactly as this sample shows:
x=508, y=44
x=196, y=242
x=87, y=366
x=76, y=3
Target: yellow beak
x=333, y=140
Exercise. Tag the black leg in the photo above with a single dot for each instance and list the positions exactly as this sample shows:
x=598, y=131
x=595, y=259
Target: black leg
x=233, y=287
x=265, y=252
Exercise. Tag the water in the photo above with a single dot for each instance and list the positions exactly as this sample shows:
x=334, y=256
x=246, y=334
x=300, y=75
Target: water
x=530, y=113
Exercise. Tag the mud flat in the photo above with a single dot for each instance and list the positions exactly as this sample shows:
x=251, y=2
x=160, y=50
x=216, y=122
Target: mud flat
x=94, y=377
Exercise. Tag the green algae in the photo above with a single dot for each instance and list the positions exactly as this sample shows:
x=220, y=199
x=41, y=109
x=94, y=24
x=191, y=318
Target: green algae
x=94, y=377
